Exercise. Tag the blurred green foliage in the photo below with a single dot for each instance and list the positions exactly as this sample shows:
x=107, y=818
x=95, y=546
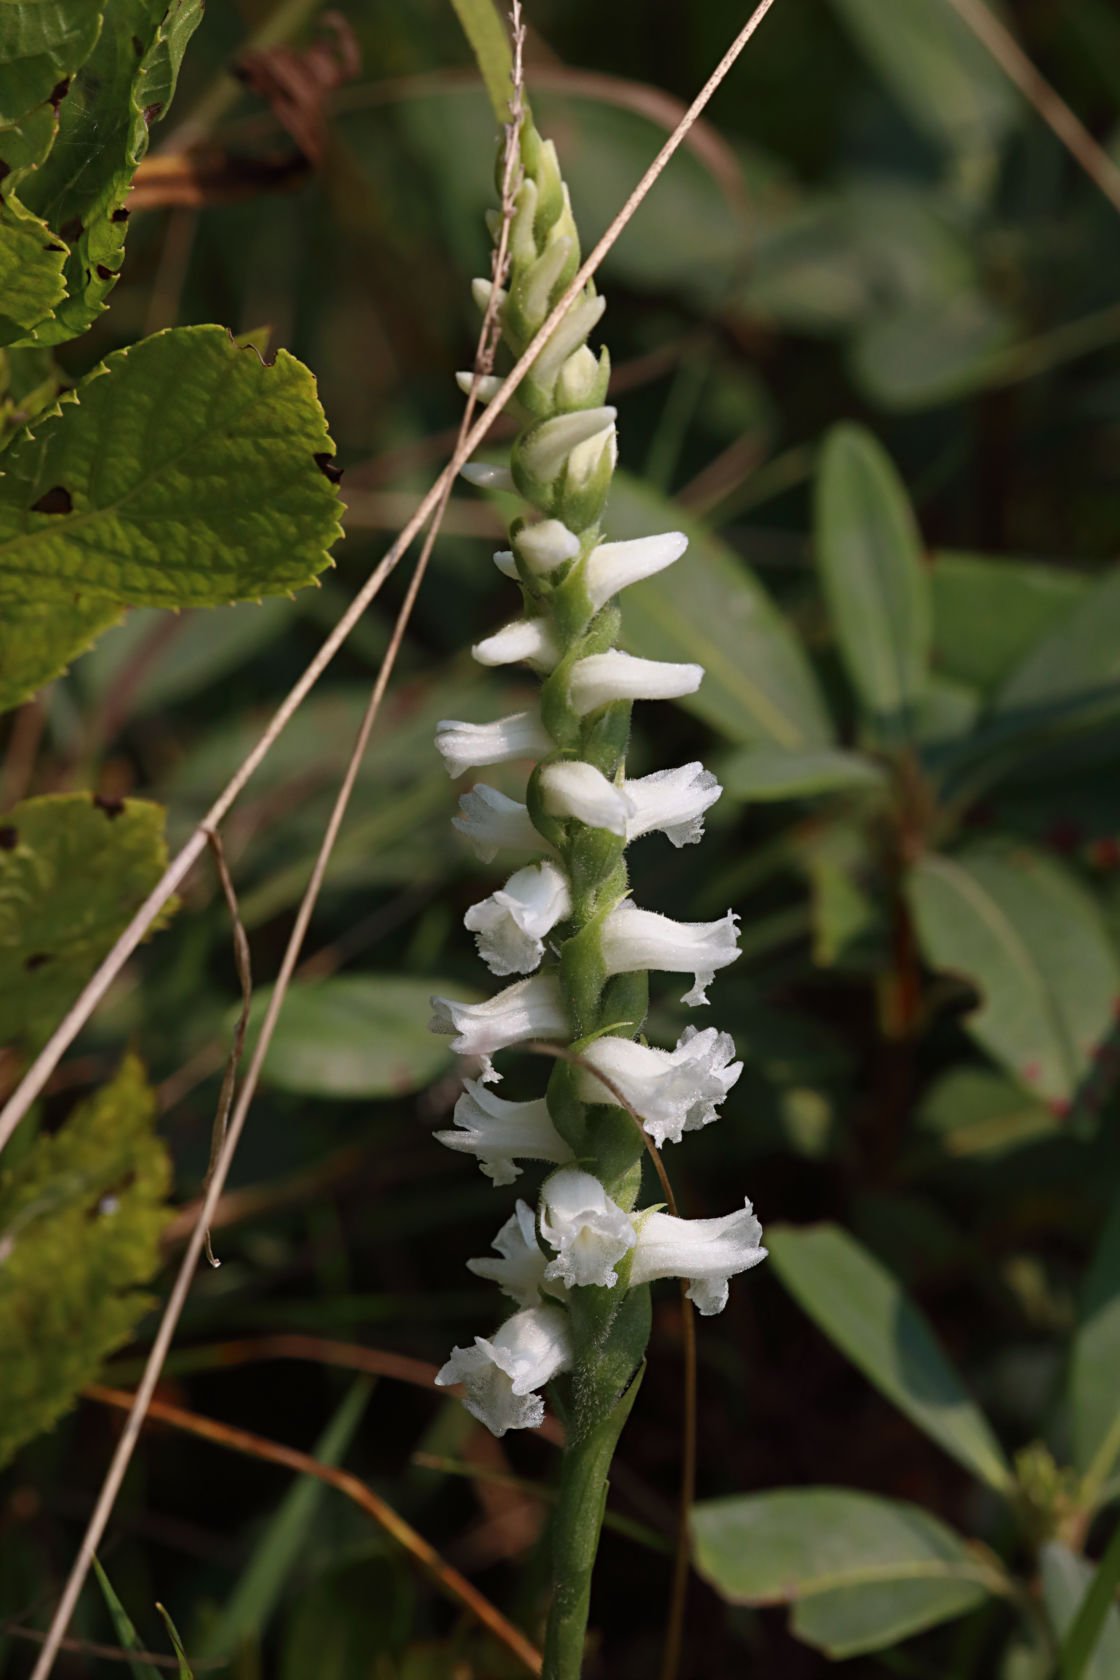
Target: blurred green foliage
x=865, y=336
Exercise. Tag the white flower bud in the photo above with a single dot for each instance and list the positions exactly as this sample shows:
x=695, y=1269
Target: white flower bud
x=574, y=789
x=540, y=279
x=506, y=564
x=586, y=459
x=612, y=566
x=511, y=925
x=674, y=1091
x=501, y=1374
x=634, y=939
x=527, y=640
x=673, y=801
x=522, y=242
x=484, y=476
x=465, y=746
x=589, y=1232
x=547, y=447
x=520, y=1271
x=502, y=1133
x=581, y=318
x=480, y=292
x=491, y=821
x=545, y=546
x=603, y=677
x=706, y=1251
x=528, y=1009
x=487, y=388
x=579, y=380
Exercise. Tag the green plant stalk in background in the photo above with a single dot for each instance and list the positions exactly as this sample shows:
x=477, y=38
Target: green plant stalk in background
x=580, y=1271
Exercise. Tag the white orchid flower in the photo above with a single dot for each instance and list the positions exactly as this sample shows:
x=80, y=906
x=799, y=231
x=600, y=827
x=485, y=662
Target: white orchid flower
x=501, y=1374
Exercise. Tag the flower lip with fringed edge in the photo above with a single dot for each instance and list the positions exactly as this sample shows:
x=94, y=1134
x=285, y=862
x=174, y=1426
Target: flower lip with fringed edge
x=501, y=1373
x=510, y=926
x=589, y=1232
x=673, y=1091
x=705, y=1251
x=530, y=1008
x=501, y=1133
x=493, y=822
x=634, y=939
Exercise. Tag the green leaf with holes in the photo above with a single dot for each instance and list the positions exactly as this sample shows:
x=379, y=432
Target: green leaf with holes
x=863, y=1308
x=124, y=85
x=73, y=871
x=860, y=1572
x=869, y=553
x=39, y=639
x=180, y=472
x=710, y=608
x=80, y=1221
x=1023, y=931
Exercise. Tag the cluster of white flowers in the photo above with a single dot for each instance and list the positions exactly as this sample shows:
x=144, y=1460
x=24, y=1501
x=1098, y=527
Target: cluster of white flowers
x=579, y=1236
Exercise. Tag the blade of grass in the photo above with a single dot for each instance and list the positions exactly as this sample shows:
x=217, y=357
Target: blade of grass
x=185, y=1671
x=122, y=1626
x=1081, y=1640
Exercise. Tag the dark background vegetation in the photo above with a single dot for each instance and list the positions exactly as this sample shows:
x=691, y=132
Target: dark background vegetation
x=866, y=267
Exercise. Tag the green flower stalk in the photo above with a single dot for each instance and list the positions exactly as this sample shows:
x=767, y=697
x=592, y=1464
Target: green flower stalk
x=579, y=1268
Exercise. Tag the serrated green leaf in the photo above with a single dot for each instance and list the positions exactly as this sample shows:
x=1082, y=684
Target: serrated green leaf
x=41, y=43
x=80, y=1221
x=1021, y=929
x=123, y=86
x=861, y=1307
x=947, y=81
x=861, y=1572
x=758, y=685
x=356, y=1035
x=182, y=472
x=869, y=553
x=39, y=639
x=31, y=265
x=72, y=873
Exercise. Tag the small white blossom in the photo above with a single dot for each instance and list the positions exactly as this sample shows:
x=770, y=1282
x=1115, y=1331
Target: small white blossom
x=673, y=801
x=520, y=1271
x=567, y=337
x=481, y=290
x=487, y=388
x=501, y=1374
x=674, y=1091
x=485, y=476
x=530, y=1008
x=511, y=925
x=547, y=447
x=586, y=459
x=706, y=1251
x=502, y=1133
x=589, y=1232
x=490, y=820
x=603, y=677
x=612, y=566
x=465, y=746
x=574, y=789
x=544, y=546
x=526, y=639
x=578, y=381
x=635, y=939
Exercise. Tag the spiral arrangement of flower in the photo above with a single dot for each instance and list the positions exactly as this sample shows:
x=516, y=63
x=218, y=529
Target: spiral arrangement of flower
x=578, y=1268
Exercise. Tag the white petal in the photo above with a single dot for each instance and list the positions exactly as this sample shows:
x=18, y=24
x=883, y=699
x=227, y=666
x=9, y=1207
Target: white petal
x=466, y=746
x=480, y=292
x=603, y=677
x=501, y=1133
x=612, y=566
x=546, y=448
x=574, y=789
x=512, y=924
x=484, y=476
x=673, y=801
x=581, y=319
x=500, y=1375
x=527, y=639
x=520, y=1271
x=586, y=458
x=546, y=545
x=530, y=1008
x=706, y=1251
x=633, y=939
x=589, y=1232
x=492, y=821
x=506, y=564
x=673, y=1091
